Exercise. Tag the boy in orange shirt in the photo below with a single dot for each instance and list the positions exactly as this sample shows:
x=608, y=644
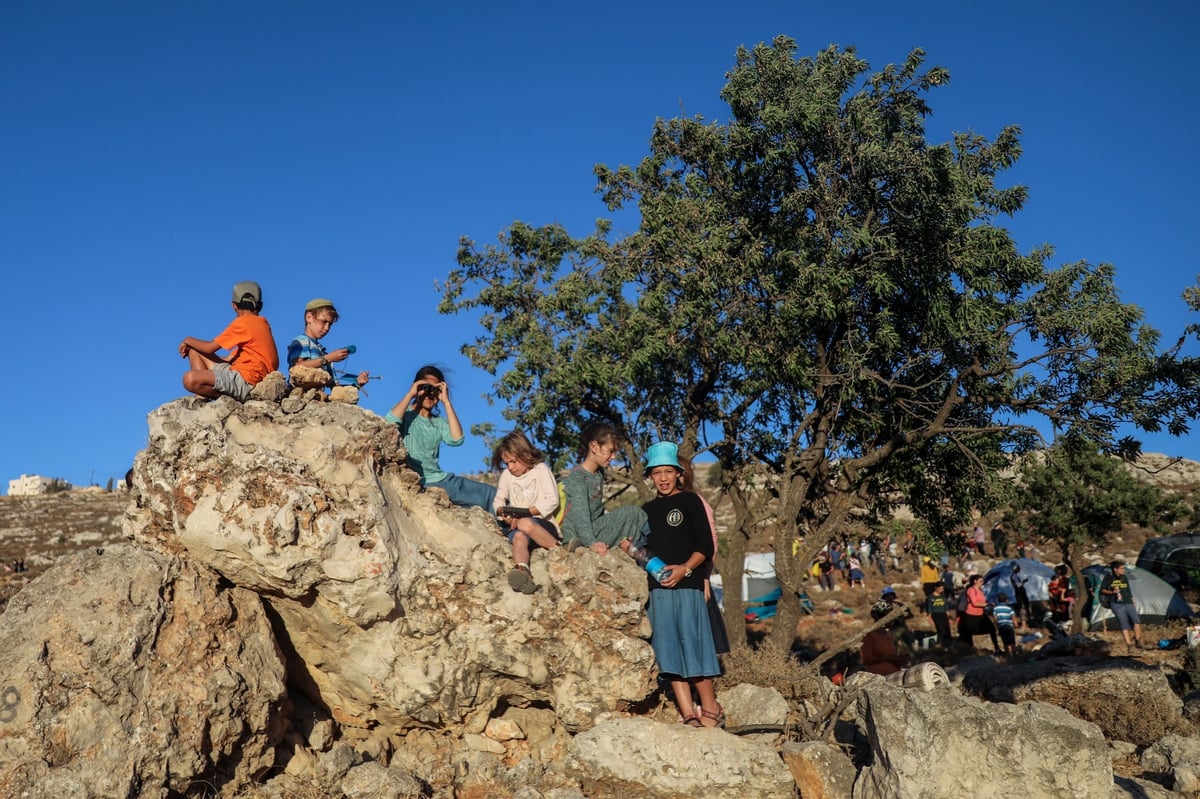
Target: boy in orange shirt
x=251, y=347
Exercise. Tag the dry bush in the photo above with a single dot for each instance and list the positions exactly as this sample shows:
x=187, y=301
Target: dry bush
x=768, y=668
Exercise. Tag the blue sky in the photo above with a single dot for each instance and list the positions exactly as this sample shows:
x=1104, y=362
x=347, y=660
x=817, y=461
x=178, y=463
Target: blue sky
x=156, y=153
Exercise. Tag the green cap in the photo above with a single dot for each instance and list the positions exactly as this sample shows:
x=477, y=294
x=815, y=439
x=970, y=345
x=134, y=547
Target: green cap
x=318, y=303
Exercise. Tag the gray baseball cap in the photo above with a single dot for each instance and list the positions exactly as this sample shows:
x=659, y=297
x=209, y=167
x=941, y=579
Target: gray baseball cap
x=247, y=290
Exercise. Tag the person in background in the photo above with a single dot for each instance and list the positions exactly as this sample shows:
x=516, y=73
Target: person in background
x=1005, y=618
x=526, y=499
x=929, y=576
x=1062, y=595
x=1020, y=582
x=424, y=431
x=1115, y=588
x=973, y=619
x=980, y=539
x=878, y=653
x=585, y=523
x=247, y=340
x=938, y=608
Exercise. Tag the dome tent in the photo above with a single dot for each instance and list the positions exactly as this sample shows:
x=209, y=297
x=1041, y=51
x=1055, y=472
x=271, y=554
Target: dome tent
x=998, y=580
x=1155, y=599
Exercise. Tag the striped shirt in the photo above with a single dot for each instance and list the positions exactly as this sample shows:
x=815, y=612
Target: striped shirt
x=1004, y=616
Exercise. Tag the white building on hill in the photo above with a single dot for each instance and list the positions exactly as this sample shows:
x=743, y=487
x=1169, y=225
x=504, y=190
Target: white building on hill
x=29, y=485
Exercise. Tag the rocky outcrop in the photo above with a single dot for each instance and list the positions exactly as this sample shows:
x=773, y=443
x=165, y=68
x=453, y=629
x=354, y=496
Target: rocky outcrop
x=391, y=604
x=133, y=674
x=943, y=744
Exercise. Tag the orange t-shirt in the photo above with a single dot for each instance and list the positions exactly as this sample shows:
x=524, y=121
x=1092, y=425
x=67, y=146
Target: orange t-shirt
x=254, y=355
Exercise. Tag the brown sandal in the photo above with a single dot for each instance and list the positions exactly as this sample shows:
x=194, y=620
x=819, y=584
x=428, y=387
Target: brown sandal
x=693, y=721
x=717, y=718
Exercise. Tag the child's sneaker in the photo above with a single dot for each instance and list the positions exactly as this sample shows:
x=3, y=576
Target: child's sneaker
x=521, y=580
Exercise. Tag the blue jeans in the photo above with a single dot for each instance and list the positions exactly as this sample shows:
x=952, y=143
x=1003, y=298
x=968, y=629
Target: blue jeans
x=466, y=492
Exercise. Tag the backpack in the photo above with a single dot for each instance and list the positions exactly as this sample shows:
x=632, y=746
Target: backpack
x=960, y=604
x=561, y=513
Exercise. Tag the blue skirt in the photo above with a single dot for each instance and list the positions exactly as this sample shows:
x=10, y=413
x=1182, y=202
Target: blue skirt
x=680, y=633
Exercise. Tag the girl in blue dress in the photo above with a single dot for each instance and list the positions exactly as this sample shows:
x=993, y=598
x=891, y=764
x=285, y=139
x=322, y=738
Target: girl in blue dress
x=681, y=635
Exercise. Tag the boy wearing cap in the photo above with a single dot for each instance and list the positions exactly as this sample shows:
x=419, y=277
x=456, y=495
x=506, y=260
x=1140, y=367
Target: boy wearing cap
x=248, y=342
x=306, y=349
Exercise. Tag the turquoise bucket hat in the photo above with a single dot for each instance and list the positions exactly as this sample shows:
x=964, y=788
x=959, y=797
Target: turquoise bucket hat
x=664, y=453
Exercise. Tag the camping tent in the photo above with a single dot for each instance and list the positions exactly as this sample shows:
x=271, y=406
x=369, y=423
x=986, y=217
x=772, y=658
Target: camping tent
x=998, y=580
x=1155, y=600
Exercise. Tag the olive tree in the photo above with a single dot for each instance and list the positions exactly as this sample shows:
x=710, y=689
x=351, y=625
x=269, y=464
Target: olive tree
x=820, y=298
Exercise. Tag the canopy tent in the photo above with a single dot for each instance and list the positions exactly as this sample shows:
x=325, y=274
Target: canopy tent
x=761, y=591
x=1155, y=600
x=1175, y=558
x=998, y=580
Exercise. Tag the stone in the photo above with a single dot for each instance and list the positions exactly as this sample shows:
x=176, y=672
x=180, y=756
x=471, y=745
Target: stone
x=306, y=377
x=750, y=706
x=1177, y=757
x=271, y=388
x=135, y=674
x=390, y=604
x=346, y=394
x=821, y=770
x=1129, y=700
x=942, y=744
x=499, y=729
x=639, y=758
x=1136, y=788
x=372, y=780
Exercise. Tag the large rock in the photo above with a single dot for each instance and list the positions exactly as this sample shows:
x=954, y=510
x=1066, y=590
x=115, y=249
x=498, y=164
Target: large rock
x=135, y=674
x=392, y=605
x=1129, y=700
x=943, y=744
x=821, y=770
x=637, y=758
x=1177, y=758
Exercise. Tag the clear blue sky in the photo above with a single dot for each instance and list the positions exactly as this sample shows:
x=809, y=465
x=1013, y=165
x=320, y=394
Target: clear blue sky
x=156, y=153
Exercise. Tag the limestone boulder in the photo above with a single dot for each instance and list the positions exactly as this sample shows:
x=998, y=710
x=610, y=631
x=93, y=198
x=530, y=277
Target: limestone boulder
x=638, y=758
x=1177, y=758
x=391, y=604
x=943, y=744
x=130, y=673
x=1129, y=700
x=821, y=770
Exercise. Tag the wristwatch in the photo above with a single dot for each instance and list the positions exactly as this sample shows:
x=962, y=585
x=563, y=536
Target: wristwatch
x=324, y=361
x=687, y=572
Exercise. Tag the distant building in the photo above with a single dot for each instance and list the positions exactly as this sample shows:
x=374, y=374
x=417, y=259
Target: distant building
x=29, y=485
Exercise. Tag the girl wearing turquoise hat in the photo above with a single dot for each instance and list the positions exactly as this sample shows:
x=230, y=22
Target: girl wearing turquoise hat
x=681, y=635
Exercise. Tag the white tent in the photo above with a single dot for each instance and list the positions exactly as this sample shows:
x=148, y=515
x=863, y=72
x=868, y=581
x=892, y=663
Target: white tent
x=1155, y=599
x=998, y=580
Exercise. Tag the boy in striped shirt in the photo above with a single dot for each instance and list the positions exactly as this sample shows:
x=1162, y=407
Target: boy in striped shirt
x=1006, y=624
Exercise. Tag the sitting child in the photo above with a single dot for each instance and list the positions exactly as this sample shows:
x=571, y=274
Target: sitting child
x=306, y=349
x=526, y=499
x=251, y=347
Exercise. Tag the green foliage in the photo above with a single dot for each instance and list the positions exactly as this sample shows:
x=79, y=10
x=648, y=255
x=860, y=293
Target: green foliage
x=818, y=296
x=1075, y=495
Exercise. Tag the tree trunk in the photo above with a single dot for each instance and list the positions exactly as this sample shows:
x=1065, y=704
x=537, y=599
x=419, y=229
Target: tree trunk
x=783, y=632
x=733, y=564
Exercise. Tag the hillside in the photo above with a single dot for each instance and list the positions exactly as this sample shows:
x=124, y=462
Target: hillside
x=42, y=529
